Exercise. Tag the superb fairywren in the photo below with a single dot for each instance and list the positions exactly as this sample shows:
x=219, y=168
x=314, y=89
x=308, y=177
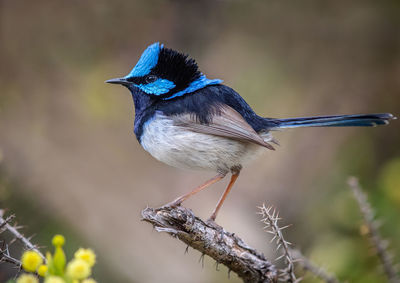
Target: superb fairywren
x=186, y=120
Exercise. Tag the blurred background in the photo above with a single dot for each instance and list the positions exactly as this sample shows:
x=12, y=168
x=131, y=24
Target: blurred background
x=70, y=163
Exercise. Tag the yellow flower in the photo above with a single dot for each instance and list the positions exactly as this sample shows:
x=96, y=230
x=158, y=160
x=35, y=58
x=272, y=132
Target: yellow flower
x=31, y=261
x=78, y=269
x=87, y=255
x=27, y=278
x=90, y=280
x=54, y=279
x=58, y=241
x=42, y=270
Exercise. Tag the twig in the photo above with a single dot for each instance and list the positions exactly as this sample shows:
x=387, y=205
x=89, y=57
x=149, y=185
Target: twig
x=5, y=226
x=310, y=266
x=212, y=240
x=373, y=233
x=270, y=218
x=6, y=257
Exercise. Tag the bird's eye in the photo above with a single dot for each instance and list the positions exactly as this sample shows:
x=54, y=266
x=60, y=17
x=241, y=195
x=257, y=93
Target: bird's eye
x=151, y=78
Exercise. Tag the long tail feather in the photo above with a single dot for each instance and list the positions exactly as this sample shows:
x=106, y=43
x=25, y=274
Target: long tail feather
x=359, y=120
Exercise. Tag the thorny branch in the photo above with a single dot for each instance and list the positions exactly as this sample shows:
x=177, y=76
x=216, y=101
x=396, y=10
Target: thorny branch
x=308, y=265
x=6, y=257
x=17, y=236
x=212, y=240
x=270, y=218
x=373, y=233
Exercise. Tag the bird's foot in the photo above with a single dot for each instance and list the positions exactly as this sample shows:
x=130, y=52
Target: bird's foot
x=173, y=204
x=219, y=229
x=211, y=222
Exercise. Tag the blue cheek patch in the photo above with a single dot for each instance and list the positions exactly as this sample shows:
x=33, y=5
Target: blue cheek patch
x=158, y=87
x=196, y=85
x=147, y=61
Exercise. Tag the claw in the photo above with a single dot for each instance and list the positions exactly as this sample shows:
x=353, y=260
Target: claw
x=220, y=231
x=173, y=204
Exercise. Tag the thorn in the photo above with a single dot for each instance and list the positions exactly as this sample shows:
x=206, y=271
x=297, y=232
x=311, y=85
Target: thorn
x=201, y=259
x=216, y=266
x=12, y=241
x=284, y=227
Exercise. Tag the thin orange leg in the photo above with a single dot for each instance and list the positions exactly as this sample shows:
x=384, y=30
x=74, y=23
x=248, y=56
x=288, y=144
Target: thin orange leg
x=181, y=199
x=223, y=197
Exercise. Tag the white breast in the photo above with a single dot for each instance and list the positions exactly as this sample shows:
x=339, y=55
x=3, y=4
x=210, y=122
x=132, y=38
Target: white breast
x=190, y=150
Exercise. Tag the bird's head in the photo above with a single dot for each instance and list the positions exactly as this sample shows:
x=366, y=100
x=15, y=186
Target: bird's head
x=165, y=74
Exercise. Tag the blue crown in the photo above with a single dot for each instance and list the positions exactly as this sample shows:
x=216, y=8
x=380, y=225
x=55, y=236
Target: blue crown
x=147, y=61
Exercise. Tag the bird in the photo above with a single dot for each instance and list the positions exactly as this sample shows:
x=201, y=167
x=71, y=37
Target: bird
x=186, y=120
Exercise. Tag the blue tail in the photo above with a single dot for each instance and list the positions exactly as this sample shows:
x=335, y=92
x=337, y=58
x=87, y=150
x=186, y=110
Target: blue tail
x=359, y=120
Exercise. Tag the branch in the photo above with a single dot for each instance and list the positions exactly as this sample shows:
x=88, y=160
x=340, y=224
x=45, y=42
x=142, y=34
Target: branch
x=270, y=218
x=373, y=233
x=214, y=241
x=316, y=270
x=291, y=256
x=6, y=257
x=17, y=236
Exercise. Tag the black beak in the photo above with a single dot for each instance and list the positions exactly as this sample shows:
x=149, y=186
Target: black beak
x=118, y=81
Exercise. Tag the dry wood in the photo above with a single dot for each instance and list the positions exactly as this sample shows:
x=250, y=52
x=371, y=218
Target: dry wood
x=212, y=240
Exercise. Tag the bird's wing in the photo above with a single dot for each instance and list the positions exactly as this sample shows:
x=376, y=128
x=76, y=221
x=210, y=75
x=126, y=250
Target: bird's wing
x=226, y=123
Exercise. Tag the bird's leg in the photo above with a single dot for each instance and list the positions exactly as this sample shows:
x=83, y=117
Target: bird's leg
x=181, y=199
x=235, y=175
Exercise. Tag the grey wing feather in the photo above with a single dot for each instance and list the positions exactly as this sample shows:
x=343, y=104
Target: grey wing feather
x=227, y=123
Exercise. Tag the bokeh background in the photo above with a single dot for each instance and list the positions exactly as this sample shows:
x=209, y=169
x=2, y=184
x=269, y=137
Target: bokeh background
x=69, y=161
